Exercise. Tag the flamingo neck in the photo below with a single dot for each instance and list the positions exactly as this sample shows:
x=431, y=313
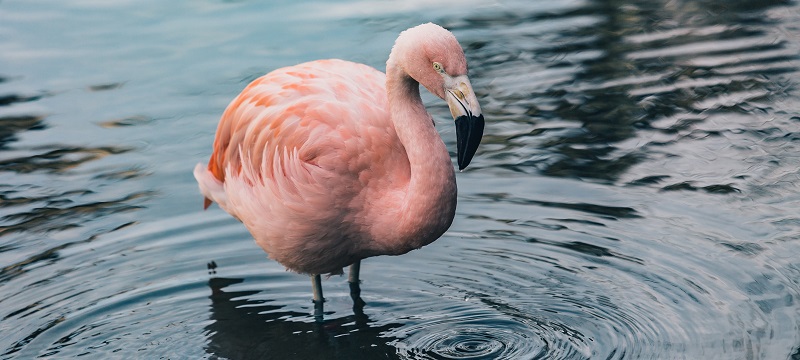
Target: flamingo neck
x=428, y=207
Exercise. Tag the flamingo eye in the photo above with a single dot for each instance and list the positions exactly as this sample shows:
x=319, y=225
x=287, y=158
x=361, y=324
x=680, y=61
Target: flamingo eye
x=438, y=67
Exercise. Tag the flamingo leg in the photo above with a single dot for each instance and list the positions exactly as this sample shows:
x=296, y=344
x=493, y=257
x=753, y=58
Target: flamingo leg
x=316, y=283
x=355, y=268
x=355, y=288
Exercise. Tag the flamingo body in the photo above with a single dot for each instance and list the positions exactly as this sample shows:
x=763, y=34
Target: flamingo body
x=325, y=167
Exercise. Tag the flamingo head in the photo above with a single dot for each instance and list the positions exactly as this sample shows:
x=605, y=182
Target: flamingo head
x=433, y=57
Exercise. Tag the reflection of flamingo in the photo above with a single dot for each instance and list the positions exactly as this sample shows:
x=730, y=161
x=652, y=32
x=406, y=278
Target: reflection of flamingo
x=330, y=162
x=242, y=327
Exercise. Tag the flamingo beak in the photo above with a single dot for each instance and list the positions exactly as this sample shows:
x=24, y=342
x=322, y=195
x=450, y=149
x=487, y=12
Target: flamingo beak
x=468, y=117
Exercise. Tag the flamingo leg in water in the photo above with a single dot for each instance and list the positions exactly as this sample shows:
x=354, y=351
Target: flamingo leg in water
x=316, y=283
x=355, y=268
x=355, y=287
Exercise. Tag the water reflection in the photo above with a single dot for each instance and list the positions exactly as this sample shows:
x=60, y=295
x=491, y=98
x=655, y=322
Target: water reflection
x=61, y=214
x=11, y=125
x=609, y=212
x=630, y=72
x=58, y=158
x=51, y=203
x=40, y=204
x=259, y=329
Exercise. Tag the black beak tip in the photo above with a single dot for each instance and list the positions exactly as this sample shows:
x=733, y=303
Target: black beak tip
x=469, y=131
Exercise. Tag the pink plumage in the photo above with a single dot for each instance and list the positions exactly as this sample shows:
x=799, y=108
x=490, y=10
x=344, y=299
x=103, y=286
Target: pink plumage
x=329, y=162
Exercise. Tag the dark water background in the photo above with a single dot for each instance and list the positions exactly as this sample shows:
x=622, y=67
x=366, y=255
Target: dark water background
x=636, y=195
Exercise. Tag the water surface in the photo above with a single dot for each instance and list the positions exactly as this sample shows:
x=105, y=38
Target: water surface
x=635, y=195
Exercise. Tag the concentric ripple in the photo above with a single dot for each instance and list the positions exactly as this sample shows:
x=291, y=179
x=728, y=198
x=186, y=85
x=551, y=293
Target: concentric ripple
x=460, y=339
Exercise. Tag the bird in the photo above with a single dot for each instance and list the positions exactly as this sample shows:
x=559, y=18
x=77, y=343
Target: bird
x=330, y=162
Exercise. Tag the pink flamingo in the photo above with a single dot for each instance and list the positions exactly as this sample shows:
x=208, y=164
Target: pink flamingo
x=330, y=162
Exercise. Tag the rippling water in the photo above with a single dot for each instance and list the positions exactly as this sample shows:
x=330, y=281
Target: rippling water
x=635, y=196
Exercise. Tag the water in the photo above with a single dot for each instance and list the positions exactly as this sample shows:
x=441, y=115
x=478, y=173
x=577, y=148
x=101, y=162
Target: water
x=635, y=196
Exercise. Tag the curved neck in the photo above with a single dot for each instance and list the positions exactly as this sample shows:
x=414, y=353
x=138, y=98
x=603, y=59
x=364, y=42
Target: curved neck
x=428, y=207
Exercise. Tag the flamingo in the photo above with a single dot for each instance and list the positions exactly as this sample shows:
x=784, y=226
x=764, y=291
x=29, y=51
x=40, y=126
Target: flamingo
x=330, y=162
